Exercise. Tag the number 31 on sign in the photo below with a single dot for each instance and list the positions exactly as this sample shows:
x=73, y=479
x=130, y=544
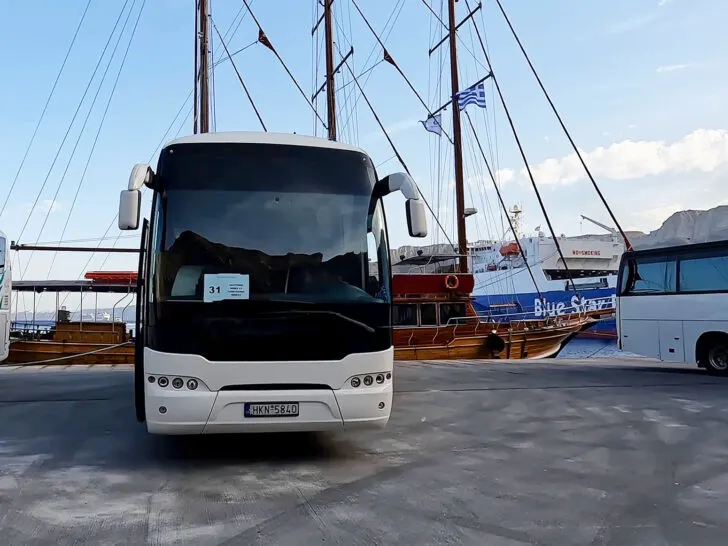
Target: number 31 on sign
x=226, y=286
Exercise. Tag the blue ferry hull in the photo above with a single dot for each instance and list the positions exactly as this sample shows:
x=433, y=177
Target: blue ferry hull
x=501, y=307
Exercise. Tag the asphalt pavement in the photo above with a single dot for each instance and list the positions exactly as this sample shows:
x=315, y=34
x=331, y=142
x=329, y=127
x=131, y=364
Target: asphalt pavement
x=551, y=453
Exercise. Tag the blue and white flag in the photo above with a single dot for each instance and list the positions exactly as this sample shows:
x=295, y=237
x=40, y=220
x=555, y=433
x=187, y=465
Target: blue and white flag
x=472, y=95
x=433, y=124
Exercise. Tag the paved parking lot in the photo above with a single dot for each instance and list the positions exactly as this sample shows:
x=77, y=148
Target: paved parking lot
x=550, y=453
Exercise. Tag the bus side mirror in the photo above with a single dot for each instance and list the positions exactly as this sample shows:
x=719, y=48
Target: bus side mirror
x=414, y=206
x=416, y=221
x=129, y=208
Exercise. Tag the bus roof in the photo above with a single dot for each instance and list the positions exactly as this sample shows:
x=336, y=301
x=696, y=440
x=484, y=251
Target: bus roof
x=677, y=249
x=260, y=137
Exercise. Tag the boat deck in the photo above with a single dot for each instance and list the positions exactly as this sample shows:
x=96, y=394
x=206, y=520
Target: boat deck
x=505, y=453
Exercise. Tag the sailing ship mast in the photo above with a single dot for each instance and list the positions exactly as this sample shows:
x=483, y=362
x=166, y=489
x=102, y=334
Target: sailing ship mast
x=330, y=85
x=201, y=117
x=457, y=141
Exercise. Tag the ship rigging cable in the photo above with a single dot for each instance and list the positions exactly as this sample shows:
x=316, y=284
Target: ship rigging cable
x=263, y=39
x=83, y=128
x=45, y=107
x=98, y=132
x=394, y=149
x=240, y=78
x=563, y=126
x=391, y=20
x=231, y=32
x=68, y=131
x=73, y=119
x=512, y=125
x=503, y=205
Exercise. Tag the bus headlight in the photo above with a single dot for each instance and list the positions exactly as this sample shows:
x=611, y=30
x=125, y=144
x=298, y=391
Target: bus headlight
x=355, y=382
x=177, y=383
x=192, y=384
x=163, y=382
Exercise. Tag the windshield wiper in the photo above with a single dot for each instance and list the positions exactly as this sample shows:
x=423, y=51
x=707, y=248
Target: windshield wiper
x=289, y=301
x=321, y=312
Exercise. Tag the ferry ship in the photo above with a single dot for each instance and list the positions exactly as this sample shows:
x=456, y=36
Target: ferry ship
x=506, y=290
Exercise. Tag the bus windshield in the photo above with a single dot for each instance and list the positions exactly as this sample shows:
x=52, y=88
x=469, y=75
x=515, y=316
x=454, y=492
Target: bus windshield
x=300, y=222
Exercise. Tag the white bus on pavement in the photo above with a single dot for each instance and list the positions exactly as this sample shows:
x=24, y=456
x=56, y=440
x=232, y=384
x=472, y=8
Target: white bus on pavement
x=264, y=300
x=672, y=304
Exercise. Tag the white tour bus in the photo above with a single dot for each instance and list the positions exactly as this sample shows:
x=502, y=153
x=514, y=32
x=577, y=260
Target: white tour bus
x=672, y=304
x=5, y=293
x=264, y=299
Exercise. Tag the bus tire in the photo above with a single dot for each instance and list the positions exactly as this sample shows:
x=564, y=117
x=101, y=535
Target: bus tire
x=712, y=353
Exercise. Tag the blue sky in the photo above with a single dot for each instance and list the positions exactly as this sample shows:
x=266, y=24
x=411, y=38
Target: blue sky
x=644, y=80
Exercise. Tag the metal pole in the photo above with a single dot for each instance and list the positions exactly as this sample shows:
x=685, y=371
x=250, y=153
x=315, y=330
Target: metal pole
x=330, y=83
x=457, y=140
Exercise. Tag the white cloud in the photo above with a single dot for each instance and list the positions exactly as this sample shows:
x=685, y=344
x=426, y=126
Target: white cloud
x=49, y=205
x=44, y=206
x=672, y=67
x=661, y=3
x=631, y=24
x=703, y=150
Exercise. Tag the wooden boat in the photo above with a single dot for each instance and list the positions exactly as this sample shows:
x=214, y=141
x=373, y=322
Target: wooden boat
x=435, y=320
x=75, y=342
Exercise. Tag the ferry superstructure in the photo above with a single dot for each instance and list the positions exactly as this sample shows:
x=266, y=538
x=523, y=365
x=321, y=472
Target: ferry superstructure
x=504, y=287
x=505, y=290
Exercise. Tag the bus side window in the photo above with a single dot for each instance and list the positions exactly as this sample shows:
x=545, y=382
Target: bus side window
x=709, y=274
x=652, y=277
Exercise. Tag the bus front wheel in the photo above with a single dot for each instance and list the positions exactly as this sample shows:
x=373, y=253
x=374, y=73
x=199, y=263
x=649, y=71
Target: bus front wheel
x=713, y=353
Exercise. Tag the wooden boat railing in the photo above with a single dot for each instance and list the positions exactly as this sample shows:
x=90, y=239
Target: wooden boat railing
x=454, y=326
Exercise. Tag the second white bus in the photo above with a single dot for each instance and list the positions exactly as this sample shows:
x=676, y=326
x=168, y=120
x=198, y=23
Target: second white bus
x=672, y=304
x=5, y=295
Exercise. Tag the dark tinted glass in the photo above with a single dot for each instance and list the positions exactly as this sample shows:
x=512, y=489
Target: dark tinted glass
x=649, y=276
x=404, y=314
x=294, y=219
x=428, y=314
x=452, y=312
x=704, y=274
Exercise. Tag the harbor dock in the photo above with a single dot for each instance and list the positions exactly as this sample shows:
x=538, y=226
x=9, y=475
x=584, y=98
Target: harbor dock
x=562, y=452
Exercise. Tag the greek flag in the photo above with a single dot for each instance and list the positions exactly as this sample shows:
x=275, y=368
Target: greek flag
x=472, y=95
x=433, y=124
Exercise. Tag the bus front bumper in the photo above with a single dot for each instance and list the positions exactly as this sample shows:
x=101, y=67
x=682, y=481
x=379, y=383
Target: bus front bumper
x=224, y=412
x=218, y=406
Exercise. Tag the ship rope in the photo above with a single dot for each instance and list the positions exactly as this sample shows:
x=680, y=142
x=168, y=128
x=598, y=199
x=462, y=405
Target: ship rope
x=96, y=137
x=73, y=119
x=563, y=127
x=45, y=108
x=264, y=40
x=240, y=78
x=229, y=34
x=83, y=127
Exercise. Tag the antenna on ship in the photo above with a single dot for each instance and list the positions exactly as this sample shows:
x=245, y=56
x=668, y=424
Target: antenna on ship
x=516, y=220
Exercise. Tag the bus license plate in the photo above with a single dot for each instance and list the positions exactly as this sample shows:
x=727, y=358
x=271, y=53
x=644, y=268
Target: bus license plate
x=271, y=409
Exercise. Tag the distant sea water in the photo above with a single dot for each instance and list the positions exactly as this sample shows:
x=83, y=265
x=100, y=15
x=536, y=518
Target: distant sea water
x=594, y=348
